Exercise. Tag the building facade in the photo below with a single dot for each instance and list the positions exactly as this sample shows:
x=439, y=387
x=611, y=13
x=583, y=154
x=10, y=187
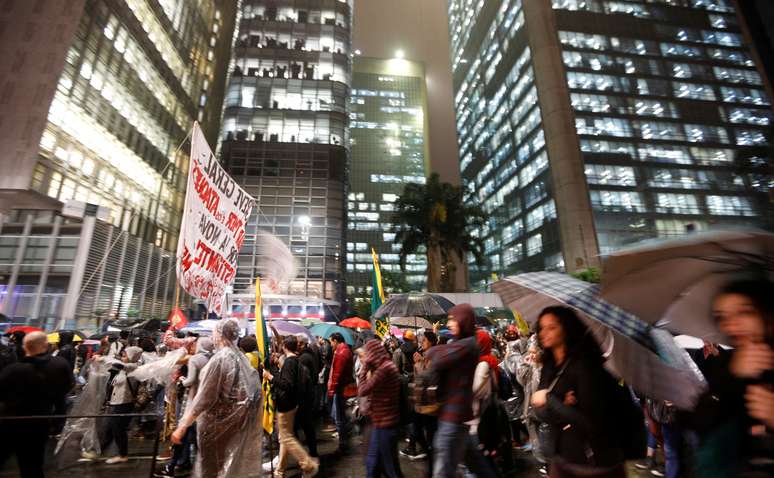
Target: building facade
x=389, y=149
x=585, y=126
x=285, y=135
x=98, y=99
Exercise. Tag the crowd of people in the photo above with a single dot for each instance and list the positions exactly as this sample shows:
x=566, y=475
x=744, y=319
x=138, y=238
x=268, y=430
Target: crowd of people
x=468, y=401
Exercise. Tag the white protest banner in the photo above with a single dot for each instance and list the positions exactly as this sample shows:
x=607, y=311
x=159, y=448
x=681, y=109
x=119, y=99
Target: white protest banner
x=213, y=227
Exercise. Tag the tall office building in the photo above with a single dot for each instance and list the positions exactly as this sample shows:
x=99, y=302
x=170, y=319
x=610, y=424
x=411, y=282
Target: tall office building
x=97, y=96
x=588, y=125
x=285, y=135
x=389, y=150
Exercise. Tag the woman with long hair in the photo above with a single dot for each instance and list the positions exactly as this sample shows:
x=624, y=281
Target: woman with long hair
x=575, y=397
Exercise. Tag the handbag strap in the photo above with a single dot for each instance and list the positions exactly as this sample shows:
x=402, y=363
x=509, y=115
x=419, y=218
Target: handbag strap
x=558, y=375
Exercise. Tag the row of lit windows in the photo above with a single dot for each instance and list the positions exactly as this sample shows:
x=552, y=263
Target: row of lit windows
x=603, y=174
x=671, y=203
x=629, y=7
x=654, y=87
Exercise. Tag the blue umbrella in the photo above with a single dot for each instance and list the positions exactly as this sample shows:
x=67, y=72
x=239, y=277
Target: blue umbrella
x=325, y=331
x=635, y=351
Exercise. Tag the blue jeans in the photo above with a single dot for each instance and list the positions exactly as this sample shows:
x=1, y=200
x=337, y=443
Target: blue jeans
x=382, y=455
x=339, y=415
x=452, y=443
x=673, y=442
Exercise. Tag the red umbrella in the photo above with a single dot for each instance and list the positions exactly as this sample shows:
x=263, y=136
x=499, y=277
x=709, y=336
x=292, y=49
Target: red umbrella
x=23, y=328
x=355, y=322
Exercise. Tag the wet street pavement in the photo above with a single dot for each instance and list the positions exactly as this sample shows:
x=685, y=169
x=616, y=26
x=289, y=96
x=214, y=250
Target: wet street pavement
x=350, y=465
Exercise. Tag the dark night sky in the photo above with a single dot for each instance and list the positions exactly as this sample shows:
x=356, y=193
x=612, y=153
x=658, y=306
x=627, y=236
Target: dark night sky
x=420, y=29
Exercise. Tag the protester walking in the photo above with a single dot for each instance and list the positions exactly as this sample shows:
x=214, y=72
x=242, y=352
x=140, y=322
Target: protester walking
x=122, y=396
x=286, y=388
x=380, y=382
x=423, y=426
x=453, y=366
x=35, y=385
x=226, y=410
x=575, y=398
x=341, y=376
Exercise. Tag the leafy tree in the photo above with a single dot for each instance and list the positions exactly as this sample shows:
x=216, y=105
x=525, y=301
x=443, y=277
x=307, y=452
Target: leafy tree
x=394, y=283
x=362, y=308
x=591, y=274
x=435, y=217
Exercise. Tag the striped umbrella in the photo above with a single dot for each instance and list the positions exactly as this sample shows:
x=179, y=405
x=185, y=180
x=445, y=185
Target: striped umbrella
x=645, y=357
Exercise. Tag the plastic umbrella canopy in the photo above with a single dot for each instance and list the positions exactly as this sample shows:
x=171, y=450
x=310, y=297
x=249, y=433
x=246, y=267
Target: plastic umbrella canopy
x=283, y=327
x=645, y=357
x=325, y=331
x=396, y=331
x=355, y=322
x=672, y=283
x=412, y=305
x=411, y=322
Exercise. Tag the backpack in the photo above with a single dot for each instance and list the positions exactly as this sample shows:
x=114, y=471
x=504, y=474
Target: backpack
x=512, y=394
x=305, y=388
x=628, y=423
x=493, y=427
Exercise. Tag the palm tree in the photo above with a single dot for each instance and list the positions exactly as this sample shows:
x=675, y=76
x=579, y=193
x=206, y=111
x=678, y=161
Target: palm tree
x=434, y=217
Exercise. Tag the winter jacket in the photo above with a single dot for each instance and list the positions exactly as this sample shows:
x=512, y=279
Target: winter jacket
x=285, y=385
x=35, y=385
x=341, y=370
x=403, y=357
x=455, y=363
x=382, y=387
x=583, y=434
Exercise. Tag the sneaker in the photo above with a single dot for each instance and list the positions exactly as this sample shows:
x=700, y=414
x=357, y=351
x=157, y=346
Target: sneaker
x=412, y=454
x=116, y=459
x=645, y=464
x=657, y=471
x=166, y=472
x=335, y=435
x=271, y=465
x=89, y=456
x=312, y=470
x=543, y=470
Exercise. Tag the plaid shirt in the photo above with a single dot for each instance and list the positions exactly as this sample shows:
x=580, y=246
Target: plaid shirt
x=456, y=364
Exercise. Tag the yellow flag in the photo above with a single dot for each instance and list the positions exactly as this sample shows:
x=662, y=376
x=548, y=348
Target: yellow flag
x=521, y=323
x=262, y=338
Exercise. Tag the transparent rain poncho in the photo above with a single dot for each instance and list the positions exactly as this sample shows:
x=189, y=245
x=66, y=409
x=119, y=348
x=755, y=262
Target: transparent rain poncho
x=227, y=409
x=82, y=434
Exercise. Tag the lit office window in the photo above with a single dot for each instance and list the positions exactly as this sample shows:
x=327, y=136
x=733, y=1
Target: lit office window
x=534, y=245
x=744, y=95
x=747, y=137
x=603, y=126
x=730, y=206
x=678, y=49
x=693, y=91
x=761, y=117
x=733, y=56
x=614, y=175
x=735, y=75
x=617, y=201
x=677, y=203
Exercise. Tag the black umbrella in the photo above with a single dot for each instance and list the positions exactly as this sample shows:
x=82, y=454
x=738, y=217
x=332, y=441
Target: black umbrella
x=102, y=335
x=414, y=305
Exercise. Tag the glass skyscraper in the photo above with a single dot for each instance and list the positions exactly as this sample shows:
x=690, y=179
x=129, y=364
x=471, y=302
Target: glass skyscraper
x=285, y=135
x=96, y=102
x=389, y=149
x=587, y=125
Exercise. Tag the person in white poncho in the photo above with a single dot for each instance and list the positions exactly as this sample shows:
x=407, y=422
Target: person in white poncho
x=226, y=410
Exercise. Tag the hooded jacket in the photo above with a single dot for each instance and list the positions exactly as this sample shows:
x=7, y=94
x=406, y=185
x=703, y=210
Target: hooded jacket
x=455, y=364
x=204, y=350
x=122, y=390
x=382, y=387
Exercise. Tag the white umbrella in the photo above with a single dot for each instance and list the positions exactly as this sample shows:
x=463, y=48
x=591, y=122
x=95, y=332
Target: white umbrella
x=672, y=283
